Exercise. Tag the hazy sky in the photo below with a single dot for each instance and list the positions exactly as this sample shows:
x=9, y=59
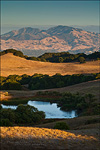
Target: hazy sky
x=16, y=14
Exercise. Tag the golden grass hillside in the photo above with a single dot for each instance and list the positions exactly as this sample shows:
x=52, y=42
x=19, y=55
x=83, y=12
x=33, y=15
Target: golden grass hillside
x=11, y=64
x=28, y=138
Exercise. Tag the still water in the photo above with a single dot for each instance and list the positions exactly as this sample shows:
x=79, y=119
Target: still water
x=51, y=110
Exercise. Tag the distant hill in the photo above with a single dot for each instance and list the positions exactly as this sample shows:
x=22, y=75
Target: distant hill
x=55, y=39
x=24, y=34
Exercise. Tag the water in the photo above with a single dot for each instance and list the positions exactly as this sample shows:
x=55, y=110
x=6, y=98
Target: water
x=8, y=106
x=51, y=110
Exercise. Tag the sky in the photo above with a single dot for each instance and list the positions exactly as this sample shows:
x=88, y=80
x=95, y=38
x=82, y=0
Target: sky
x=18, y=14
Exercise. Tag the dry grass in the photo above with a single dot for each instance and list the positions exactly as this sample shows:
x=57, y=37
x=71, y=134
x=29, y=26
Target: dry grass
x=92, y=87
x=42, y=138
x=11, y=64
x=33, y=132
x=76, y=123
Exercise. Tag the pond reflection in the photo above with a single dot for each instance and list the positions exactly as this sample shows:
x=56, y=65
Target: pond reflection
x=51, y=110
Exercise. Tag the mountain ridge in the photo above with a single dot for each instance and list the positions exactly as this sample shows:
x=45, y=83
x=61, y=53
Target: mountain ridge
x=53, y=31
x=58, y=38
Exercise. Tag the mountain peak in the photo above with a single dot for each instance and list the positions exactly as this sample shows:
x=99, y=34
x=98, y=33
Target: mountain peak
x=60, y=29
x=58, y=38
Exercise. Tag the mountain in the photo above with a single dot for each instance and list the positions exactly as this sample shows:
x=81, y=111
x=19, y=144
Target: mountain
x=90, y=28
x=55, y=39
x=24, y=34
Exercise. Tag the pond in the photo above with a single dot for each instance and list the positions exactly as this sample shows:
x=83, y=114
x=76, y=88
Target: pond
x=51, y=110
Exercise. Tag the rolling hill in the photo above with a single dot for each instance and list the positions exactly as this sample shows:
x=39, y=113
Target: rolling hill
x=23, y=138
x=11, y=64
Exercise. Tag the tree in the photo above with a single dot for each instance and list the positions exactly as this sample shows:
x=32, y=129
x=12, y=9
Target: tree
x=28, y=114
x=7, y=114
x=11, y=86
x=61, y=126
x=0, y=107
x=81, y=59
x=60, y=84
x=61, y=59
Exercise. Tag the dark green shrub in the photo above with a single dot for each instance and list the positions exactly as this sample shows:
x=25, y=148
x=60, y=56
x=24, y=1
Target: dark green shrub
x=28, y=114
x=0, y=107
x=92, y=121
x=81, y=59
x=61, y=126
x=26, y=109
x=5, y=122
x=7, y=114
x=12, y=86
x=41, y=113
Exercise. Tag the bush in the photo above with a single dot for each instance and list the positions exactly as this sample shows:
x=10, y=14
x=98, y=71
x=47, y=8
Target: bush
x=92, y=121
x=11, y=86
x=24, y=114
x=28, y=114
x=42, y=114
x=5, y=122
x=8, y=114
x=0, y=107
x=81, y=59
x=61, y=126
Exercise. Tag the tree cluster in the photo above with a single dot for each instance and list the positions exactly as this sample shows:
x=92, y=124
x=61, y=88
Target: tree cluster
x=85, y=105
x=13, y=51
x=67, y=57
x=40, y=81
x=24, y=114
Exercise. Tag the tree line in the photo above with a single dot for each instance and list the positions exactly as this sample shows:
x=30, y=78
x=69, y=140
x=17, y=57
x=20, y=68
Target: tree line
x=62, y=57
x=40, y=81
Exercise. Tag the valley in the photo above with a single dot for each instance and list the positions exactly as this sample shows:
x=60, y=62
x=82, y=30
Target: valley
x=83, y=130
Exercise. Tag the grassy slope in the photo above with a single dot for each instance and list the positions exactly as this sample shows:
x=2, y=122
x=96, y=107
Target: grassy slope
x=75, y=124
x=11, y=64
x=22, y=138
